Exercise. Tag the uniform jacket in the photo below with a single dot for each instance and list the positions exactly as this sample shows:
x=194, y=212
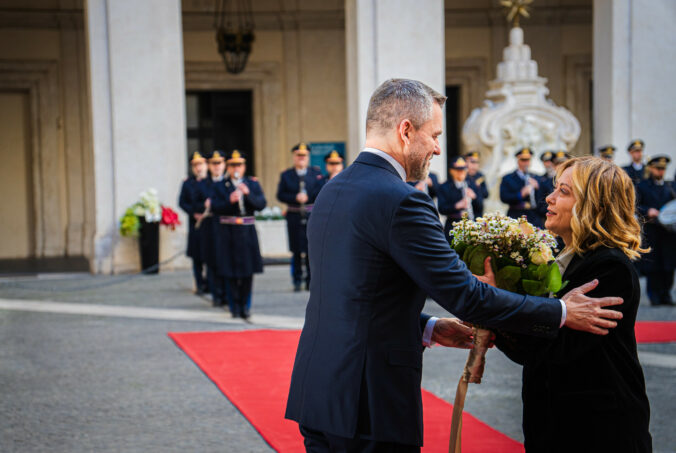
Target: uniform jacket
x=192, y=202
x=661, y=241
x=239, y=253
x=376, y=249
x=449, y=195
x=288, y=188
x=584, y=392
x=510, y=193
x=635, y=175
x=208, y=232
x=479, y=181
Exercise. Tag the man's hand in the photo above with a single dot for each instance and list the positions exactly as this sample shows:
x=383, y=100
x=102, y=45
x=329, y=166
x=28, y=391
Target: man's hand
x=470, y=193
x=421, y=186
x=652, y=213
x=235, y=196
x=243, y=188
x=302, y=198
x=587, y=314
x=452, y=333
x=489, y=276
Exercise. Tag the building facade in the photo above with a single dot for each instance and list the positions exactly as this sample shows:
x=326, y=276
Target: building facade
x=102, y=99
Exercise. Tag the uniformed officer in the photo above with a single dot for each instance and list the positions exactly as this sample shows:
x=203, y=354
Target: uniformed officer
x=457, y=195
x=560, y=157
x=298, y=187
x=607, y=152
x=475, y=177
x=193, y=204
x=521, y=190
x=239, y=257
x=659, y=264
x=334, y=164
x=208, y=227
x=636, y=170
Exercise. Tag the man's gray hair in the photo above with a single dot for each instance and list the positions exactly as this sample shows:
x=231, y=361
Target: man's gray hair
x=398, y=99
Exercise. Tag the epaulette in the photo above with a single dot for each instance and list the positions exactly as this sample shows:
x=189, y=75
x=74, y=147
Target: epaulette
x=479, y=180
x=253, y=178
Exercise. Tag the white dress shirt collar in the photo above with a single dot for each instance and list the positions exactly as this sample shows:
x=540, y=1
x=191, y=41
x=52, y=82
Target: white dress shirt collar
x=397, y=166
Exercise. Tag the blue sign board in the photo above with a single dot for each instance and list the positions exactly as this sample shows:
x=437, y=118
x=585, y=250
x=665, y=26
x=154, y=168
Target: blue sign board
x=319, y=150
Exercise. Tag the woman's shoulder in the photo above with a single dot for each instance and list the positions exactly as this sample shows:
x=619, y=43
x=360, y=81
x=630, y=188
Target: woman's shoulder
x=604, y=261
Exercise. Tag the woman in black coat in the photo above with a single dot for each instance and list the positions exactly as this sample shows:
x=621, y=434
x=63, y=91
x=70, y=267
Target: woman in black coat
x=584, y=392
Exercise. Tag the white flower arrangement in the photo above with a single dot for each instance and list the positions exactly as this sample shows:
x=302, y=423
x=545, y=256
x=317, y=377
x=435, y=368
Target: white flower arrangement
x=522, y=256
x=148, y=206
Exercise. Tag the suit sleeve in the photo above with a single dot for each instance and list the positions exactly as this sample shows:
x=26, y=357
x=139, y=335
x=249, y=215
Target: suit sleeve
x=417, y=244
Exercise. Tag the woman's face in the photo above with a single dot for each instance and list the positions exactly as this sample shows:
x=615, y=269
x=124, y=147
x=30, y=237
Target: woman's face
x=560, y=206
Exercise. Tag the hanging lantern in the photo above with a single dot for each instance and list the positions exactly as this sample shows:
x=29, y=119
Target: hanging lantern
x=234, y=33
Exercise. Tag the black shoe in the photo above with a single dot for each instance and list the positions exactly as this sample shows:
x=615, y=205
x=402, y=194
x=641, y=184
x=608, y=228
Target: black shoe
x=307, y=286
x=296, y=287
x=245, y=314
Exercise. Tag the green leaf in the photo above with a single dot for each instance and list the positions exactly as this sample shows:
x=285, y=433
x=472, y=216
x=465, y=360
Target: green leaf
x=553, y=278
x=508, y=278
x=466, y=253
x=460, y=248
x=533, y=287
x=476, y=264
x=543, y=270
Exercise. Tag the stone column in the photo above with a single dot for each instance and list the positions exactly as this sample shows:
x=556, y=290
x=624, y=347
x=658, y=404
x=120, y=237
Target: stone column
x=634, y=91
x=391, y=39
x=135, y=68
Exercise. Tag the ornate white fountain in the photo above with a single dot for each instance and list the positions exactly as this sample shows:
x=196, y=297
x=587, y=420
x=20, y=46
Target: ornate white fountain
x=516, y=114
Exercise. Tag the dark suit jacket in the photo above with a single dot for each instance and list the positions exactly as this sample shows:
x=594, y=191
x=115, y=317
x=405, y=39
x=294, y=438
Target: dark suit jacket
x=376, y=248
x=585, y=392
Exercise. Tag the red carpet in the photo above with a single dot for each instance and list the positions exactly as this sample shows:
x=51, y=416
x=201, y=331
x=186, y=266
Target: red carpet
x=656, y=331
x=253, y=369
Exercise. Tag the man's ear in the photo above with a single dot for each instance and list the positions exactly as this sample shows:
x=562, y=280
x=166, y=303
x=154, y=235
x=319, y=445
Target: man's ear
x=405, y=129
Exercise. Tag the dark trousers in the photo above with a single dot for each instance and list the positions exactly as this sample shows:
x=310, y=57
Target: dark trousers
x=299, y=260
x=239, y=295
x=320, y=442
x=218, y=286
x=198, y=274
x=659, y=286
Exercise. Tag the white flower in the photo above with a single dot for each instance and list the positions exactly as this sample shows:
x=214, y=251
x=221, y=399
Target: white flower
x=542, y=255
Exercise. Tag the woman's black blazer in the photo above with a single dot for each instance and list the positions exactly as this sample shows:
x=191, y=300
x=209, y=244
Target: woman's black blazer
x=584, y=392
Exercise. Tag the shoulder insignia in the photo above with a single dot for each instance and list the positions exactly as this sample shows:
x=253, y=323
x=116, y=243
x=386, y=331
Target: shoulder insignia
x=319, y=176
x=227, y=183
x=478, y=181
x=253, y=178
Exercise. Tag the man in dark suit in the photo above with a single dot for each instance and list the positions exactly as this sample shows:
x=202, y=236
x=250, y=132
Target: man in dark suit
x=521, y=190
x=376, y=249
x=298, y=187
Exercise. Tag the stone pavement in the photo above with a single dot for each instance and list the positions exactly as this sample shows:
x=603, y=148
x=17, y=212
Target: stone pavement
x=86, y=365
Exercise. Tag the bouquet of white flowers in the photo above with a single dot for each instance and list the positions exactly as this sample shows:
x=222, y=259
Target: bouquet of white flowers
x=521, y=254
x=522, y=261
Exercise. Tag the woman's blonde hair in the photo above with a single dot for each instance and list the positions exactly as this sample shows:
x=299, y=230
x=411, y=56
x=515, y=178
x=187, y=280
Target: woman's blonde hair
x=603, y=214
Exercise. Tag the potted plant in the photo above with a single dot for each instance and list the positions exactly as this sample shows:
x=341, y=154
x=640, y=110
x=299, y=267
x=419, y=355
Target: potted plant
x=143, y=220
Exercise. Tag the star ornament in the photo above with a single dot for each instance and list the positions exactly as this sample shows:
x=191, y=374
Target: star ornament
x=515, y=9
